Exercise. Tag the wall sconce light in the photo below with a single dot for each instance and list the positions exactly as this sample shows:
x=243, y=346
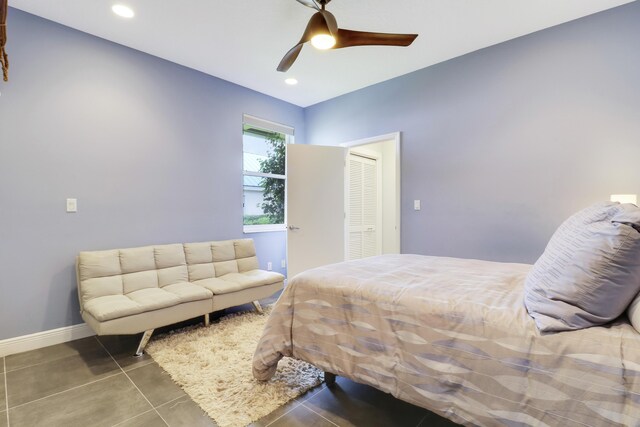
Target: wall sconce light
x=625, y=198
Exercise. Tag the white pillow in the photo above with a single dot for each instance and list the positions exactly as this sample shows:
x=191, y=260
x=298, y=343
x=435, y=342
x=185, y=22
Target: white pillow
x=589, y=271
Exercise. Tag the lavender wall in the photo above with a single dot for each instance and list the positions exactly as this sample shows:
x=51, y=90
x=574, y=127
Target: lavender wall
x=151, y=150
x=502, y=144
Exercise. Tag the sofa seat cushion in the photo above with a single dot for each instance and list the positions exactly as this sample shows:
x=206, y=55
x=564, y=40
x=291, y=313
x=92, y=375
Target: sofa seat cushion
x=188, y=292
x=112, y=307
x=234, y=282
x=219, y=286
x=253, y=278
x=115, y=306
x=153, y=298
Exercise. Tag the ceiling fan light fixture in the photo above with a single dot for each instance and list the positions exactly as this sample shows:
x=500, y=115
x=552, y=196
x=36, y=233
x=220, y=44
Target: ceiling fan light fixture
x=323, y=32
x=323, y=41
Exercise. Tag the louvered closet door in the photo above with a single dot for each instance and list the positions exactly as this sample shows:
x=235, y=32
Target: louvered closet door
x=363, y=207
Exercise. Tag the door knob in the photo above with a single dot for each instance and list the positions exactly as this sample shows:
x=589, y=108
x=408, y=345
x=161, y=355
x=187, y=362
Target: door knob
x=293, y=227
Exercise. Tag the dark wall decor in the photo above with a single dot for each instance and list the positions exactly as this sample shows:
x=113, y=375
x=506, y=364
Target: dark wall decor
x=4, y=60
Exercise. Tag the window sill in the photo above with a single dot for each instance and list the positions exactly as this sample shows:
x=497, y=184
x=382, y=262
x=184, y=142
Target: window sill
x=247, y=229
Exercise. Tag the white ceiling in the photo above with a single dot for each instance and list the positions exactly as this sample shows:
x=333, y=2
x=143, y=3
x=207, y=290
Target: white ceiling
x=242, y=41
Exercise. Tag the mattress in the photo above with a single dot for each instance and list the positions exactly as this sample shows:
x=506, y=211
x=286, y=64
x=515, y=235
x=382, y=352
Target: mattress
x=453, y=336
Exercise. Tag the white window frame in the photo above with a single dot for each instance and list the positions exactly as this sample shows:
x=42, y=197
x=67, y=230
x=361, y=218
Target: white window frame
x=288, y=132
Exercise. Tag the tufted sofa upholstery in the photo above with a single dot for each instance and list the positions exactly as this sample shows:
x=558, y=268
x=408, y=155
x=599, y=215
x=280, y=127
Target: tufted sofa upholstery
x=127, y=291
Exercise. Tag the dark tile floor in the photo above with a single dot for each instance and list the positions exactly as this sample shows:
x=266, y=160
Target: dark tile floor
x=95, y=381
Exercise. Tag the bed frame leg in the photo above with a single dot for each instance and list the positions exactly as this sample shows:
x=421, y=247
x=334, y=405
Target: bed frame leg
x=258, y=307
x=206, y=320
x=143, y=343
x=329, y=379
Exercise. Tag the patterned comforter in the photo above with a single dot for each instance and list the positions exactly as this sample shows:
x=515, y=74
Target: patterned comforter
x=453, y=336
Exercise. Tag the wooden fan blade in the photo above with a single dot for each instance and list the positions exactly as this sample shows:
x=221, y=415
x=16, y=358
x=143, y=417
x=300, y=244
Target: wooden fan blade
x=331, y=22
x=289, y=58
x=348, y=38
x=319, y=22
x=310, y=3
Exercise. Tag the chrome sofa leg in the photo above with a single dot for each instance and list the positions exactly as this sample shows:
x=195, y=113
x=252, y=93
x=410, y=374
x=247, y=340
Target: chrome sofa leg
x=206, y=320
x=258, y=307
x=143, y=342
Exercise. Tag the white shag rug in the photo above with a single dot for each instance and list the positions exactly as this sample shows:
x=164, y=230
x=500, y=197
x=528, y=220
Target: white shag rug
x=213, y=366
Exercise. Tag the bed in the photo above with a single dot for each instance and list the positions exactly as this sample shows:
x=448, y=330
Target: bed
x=453, y=336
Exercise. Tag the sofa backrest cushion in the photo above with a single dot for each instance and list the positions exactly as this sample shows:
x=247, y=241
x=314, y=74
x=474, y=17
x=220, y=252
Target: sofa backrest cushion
x=121, y=271
x=138, y=269
x=206, y=260
x=246, y=255
x=171, y=264
x=199, y=260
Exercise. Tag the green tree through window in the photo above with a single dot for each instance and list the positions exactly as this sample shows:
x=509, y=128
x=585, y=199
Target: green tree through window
x=264, y=180
x=273, y=202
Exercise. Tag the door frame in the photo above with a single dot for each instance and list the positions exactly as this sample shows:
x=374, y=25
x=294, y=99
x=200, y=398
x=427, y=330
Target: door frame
x=395, y=137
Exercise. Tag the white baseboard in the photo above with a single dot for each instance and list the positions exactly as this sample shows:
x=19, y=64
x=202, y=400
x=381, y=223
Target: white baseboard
x=44, y=339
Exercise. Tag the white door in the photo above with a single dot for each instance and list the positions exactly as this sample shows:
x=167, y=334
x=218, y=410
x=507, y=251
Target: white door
x=315, y=206
x=364, y=208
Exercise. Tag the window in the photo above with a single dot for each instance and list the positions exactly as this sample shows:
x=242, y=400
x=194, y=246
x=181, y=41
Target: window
x=264, y=174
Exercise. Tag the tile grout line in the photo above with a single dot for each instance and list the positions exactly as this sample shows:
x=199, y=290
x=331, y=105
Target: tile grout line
x=178, y=398
x=63, y=391
x=322, y=388
x=134, y=384
x=320, y=415
x=6, y=390
x=133, y=418
x=145, y=398
x=49, y=395
x=422, y=420
x=40, y=363
x=299, y=402
x=303, y=404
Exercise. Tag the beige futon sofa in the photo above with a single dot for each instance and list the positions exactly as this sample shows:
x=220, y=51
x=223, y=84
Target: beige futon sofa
x=128, y=291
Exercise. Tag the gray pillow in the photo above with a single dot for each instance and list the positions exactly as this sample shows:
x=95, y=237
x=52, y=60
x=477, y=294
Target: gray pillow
x=590, y=270
x=634, y=313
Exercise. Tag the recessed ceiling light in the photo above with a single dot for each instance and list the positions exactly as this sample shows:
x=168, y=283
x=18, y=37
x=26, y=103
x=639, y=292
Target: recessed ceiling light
x=122, y=10
x=291, y=81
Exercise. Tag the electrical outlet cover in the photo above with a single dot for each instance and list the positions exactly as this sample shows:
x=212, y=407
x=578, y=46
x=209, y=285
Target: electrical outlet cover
x=72, y=205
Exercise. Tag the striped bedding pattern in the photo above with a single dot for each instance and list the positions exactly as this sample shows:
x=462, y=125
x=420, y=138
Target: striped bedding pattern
x=453, y=336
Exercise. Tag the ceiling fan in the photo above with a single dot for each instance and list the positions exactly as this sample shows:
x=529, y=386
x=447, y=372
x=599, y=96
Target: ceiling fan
x=323, y=33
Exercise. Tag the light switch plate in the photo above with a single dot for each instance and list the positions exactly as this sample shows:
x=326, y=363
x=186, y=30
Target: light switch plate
x=416, y=205
x=72, y=205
